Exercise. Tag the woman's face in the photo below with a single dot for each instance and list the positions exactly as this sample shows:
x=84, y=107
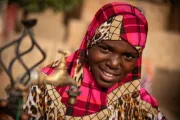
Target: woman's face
x=110, y=61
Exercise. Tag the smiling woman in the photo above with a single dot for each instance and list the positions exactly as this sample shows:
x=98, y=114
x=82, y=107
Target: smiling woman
x=107, y=71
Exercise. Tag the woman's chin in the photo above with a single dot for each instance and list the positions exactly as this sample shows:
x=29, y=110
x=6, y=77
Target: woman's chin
x=105, y=84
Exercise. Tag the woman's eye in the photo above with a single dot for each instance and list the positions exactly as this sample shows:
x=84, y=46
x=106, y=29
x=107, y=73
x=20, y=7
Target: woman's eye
x=104, y=49
x=128, y=56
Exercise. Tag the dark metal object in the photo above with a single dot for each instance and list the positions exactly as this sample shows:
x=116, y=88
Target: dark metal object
x=73, y=92
x=15, y=96
x=28, y=24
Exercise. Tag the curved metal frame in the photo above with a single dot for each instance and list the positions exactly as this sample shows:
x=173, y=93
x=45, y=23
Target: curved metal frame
x=28, y=24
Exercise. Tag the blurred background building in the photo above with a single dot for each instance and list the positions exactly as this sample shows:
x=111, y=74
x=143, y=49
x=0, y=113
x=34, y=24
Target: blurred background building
x=64, y=26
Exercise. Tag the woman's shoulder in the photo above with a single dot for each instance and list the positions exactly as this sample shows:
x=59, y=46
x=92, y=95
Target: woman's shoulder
x=145, y=96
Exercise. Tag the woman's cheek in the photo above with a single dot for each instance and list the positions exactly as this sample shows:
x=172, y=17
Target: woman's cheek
x=129, y=66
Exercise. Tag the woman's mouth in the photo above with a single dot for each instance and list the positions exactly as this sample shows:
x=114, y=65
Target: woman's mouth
x=108, y=77
x=107, y=74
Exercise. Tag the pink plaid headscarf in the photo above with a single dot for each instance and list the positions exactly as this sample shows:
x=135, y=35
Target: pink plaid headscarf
x=93, y=98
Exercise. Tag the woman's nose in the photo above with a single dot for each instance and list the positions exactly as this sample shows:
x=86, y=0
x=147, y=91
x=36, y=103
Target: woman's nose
x=114, y=62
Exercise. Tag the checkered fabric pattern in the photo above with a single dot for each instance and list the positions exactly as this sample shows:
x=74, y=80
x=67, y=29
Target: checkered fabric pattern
x=114, y=29
x=132, y=27
x=148, y=107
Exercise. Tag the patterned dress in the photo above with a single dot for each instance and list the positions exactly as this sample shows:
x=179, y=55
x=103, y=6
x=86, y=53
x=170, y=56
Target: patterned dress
x=125, y=102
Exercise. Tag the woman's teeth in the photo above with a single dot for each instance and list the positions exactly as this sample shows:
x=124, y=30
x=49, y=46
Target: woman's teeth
x=108, y=74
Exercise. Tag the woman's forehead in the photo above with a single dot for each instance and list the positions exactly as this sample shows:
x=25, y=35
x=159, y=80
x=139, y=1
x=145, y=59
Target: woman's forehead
x=117, y=45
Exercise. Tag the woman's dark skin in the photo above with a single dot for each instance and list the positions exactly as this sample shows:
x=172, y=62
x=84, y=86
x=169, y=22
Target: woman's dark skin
x=110, y=61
